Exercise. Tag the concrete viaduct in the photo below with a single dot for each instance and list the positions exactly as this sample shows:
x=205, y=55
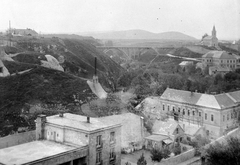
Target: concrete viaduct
x=130, y=51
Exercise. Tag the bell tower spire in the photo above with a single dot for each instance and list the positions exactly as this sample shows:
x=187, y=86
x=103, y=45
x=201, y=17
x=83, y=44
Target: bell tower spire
x=214, y=32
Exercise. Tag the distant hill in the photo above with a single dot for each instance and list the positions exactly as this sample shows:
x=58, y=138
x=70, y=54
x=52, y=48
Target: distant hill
x=139, y=34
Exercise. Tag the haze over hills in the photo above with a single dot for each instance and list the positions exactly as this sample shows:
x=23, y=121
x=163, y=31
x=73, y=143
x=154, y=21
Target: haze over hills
x=139, y=34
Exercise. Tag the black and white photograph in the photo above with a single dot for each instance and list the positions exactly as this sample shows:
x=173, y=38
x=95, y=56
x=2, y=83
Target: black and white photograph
x=120, y=82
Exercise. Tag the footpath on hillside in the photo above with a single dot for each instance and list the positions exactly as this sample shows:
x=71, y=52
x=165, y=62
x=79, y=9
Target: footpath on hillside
x=86, y=110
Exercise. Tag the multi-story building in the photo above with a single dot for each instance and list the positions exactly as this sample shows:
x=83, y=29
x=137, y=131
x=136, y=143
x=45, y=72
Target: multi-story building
x=217, y=113
x=221, y=59
x=69, y=139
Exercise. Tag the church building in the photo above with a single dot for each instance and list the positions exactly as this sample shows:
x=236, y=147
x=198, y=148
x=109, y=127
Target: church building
x=210, y=40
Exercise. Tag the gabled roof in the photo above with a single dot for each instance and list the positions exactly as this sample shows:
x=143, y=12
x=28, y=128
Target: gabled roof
x=219, y=54
x=219, y=101
x=235, y=96
x=207, y=38
x=165, y=127
x=181, y=96
x=208, y=101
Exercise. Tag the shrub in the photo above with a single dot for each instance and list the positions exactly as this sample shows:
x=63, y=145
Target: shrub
x=158, y=155
x=177, y=149
x=141, y=160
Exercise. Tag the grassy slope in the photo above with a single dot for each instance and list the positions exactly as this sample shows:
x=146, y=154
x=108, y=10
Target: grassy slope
x=46, y=85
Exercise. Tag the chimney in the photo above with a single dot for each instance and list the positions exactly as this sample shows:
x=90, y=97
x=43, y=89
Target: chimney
x=40, y=124
x=95, y=66
x=88, y=119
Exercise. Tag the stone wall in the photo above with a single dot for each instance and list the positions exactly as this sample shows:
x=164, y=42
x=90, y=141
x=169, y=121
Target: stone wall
x=178, y=159
x=17, y=139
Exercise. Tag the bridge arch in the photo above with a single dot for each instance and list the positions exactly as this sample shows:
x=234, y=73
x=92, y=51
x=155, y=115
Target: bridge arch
x=121, y=50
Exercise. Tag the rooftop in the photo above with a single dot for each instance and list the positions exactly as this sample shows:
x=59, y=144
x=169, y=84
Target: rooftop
x=157, y=138
x=80, y=122
x=219, y=68
x=183, y=63
x=219, y=101
x=165, y=127
x=32, y=151
x=219, y=54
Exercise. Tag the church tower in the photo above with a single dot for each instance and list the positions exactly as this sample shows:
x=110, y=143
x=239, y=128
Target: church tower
x=214, y=33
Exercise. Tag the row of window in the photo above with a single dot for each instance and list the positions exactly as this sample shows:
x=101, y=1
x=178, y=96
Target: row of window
x=99, y=138
x=228, y=61
x=183, y=111
x=232, y=115
x=99, y=143
x=188, y=112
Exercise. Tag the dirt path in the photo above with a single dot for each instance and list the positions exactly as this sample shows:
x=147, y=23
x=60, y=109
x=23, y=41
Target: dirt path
x=86, y=110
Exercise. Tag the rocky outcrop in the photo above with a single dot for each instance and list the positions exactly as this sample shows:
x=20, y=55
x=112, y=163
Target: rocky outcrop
x=51, y=63
x=3, y=70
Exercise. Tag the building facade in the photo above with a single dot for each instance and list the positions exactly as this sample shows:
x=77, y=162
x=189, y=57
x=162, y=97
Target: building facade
x=217, y=113
x=221, y=59
x=69, y=139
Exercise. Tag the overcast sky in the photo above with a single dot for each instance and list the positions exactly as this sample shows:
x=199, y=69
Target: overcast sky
x=192, y=17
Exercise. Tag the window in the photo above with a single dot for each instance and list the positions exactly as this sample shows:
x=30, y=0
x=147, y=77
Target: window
x=163, y=107
x=183, y=112
x=173, y=109
x=223, y=117
x=227, y=116
x=112, y=137
x=98, y=157
x=188, y=112
x=168, y=107
x=1, y=69
x=177, y=130
x=205, y=116
x=112, y=154
x=199, y=114
x=231, y=115
x=99, y=140
x=193, y=113
x=179, y=110
x=212, y=118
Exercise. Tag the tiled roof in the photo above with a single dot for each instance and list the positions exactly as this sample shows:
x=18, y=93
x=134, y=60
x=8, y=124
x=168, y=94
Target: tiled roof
x=189, y=128
x=235, y=96
x=165, y=127
x=181, y=96
x=219, y=54
x=219, y=101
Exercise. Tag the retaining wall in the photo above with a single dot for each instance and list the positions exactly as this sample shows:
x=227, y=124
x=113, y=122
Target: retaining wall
x=17, y=139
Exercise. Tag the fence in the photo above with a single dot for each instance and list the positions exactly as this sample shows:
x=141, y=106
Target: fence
x=16, y=139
